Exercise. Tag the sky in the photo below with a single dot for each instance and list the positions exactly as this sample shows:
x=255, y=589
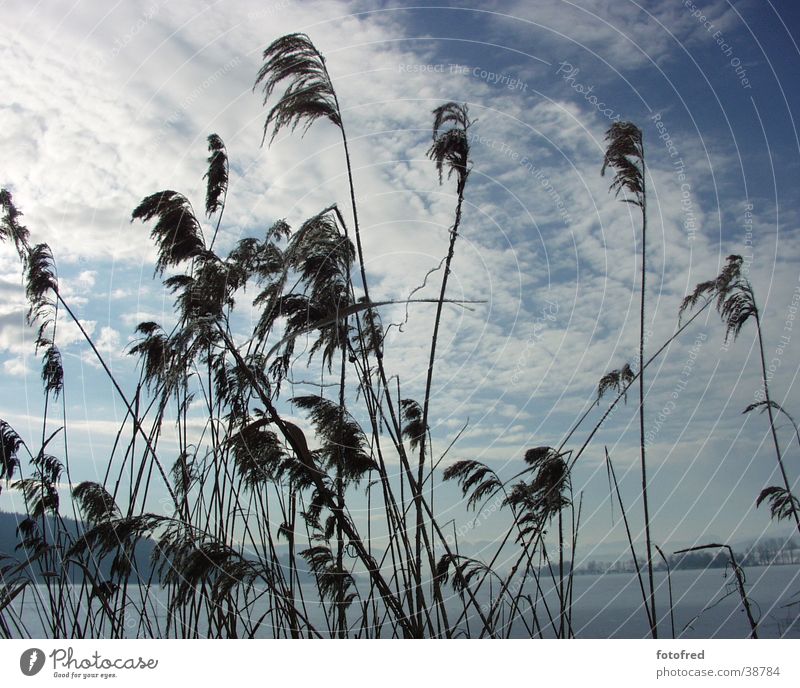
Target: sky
x=106, y=103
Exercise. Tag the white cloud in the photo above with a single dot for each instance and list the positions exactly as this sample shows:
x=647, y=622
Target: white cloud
x=16, y=366
x=86, y=278
x=108, y=340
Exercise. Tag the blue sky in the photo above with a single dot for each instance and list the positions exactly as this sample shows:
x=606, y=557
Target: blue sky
x=106, y=104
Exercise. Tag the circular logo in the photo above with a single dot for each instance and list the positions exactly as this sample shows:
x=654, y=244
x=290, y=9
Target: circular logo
x=31, y=661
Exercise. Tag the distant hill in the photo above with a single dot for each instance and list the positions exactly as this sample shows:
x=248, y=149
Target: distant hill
x=10, y=541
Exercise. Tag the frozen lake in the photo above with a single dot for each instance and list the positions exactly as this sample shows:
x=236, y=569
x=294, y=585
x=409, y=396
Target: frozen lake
x=706, y=605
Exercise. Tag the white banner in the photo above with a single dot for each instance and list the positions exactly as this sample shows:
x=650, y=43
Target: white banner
x=369, y=663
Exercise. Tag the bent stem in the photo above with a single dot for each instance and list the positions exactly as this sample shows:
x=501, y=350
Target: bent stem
x=774, y=433
x=740, y=580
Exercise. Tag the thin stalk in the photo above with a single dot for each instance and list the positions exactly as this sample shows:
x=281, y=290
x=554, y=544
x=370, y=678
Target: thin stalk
x=630, y=537
x=576, y=524
x=772, y=418
x=429, y=382
x=562, y=599
x=669, y=587
x=653, y=617
x=341, y=617
x=123, y=398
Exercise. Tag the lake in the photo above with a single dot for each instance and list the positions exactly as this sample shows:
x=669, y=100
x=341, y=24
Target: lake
x=706, y=605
